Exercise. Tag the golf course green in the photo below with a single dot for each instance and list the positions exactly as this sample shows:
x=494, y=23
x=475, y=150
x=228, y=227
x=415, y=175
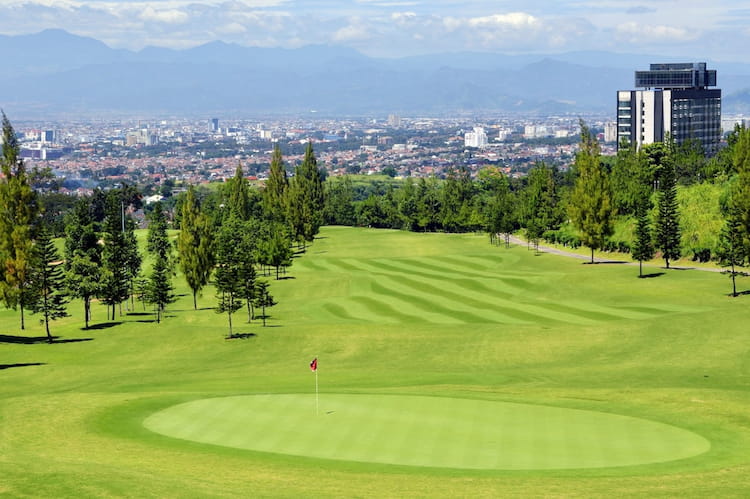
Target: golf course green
x=447, y=367
x=426, y=431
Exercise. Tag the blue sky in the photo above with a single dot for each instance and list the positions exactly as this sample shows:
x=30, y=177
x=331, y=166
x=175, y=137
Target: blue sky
x=717, y=30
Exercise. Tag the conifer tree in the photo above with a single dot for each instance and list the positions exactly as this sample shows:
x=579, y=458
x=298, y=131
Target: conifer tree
x=82, y=256
x=117, y=256
x=732, y=250
x=591, y=208
x=668, y=216
x=47, y=292
x=18, y=211
x=239, y=195
x=194, y=245
x=643, y=246
x=227, y=277
x=309, y=182
x=160, y=289
x=277, y=185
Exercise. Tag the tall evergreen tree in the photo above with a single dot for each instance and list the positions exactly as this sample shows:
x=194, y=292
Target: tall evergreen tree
x=227, y=277
x=732, y=250
x=309, y=180
x=194, y=245
x=238, y=195
x=116, y=256
x=18, y=212
x=160, y=291
x=82, y=257
x=591, y=208
x=47, y=292
x=668, y=216
x=277, y=185
x=643, y=246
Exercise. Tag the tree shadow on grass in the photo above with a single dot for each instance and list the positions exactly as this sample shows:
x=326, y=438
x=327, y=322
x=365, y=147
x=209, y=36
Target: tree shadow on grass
x=739, y=293
x=23, y=340
x=103, y=325
x=138, y=314
x=8, y=366
x=285, y=277
x=33, y=340
x=240, y=336
x=651, y=275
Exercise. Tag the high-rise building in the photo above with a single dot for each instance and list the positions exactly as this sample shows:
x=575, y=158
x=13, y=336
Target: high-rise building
x=477, y=138
x=213, y=125
x=676, y=101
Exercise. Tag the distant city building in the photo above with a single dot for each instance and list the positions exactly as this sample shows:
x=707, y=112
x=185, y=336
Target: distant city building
x=394, y=120
x=675, y=102
x=141, y=137
x=213, y=125
x=610, y=132
x=477, y=138
x=48, y=136
x=503, y=134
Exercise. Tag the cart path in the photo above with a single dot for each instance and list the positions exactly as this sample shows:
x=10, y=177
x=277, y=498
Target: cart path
x=597, y=259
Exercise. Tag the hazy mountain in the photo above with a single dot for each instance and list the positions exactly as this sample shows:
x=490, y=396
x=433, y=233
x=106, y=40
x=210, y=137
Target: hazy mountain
x=56, y=72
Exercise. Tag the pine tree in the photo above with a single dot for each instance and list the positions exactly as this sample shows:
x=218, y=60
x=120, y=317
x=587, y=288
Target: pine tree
x=18, y=211
x=160, y=289
x=591, y=208
x=732, y=250
x=82, y=257
x=668, y=217
x=239, y=195
x=277, y=185
x=643, y=246
x=47, y=292
x=309, y=182
x=227, y=278
x=194, y=245
x=117, y=256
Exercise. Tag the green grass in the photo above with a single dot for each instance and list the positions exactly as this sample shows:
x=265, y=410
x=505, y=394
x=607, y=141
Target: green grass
x=431, y=320
x=426, y=431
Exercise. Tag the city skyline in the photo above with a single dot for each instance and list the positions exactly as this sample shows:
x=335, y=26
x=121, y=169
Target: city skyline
x=394, y=28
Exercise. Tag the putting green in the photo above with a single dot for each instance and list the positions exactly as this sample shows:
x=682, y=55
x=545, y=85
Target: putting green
x=427, y=431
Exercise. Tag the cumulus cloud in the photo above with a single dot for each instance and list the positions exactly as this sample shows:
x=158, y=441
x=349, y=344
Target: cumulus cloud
x=171, y=16
x=352, y=33
x=643, y=33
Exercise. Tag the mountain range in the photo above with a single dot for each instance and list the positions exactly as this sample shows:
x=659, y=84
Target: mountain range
x=56, y=73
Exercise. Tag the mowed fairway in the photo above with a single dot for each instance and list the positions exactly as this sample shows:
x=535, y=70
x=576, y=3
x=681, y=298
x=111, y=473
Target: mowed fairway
x=447, y=367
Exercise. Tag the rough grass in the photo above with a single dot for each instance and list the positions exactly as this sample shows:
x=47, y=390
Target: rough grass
x=386, y=312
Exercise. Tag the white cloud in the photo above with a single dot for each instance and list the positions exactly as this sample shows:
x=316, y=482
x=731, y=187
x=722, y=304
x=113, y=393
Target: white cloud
x=351, y=33
x=642, y=33
x=171, y=16
x=510, y=20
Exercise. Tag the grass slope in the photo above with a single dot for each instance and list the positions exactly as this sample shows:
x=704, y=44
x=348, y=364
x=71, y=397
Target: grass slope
x=387, y=313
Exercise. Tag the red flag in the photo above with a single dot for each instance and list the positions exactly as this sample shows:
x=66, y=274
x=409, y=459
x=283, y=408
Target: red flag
x=314, y=364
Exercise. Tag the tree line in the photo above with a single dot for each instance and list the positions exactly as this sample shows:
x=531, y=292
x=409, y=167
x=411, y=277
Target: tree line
x=576, y=207
x=228, y=238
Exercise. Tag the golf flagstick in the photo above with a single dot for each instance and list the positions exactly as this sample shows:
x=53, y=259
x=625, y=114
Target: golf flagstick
x=314, y=368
